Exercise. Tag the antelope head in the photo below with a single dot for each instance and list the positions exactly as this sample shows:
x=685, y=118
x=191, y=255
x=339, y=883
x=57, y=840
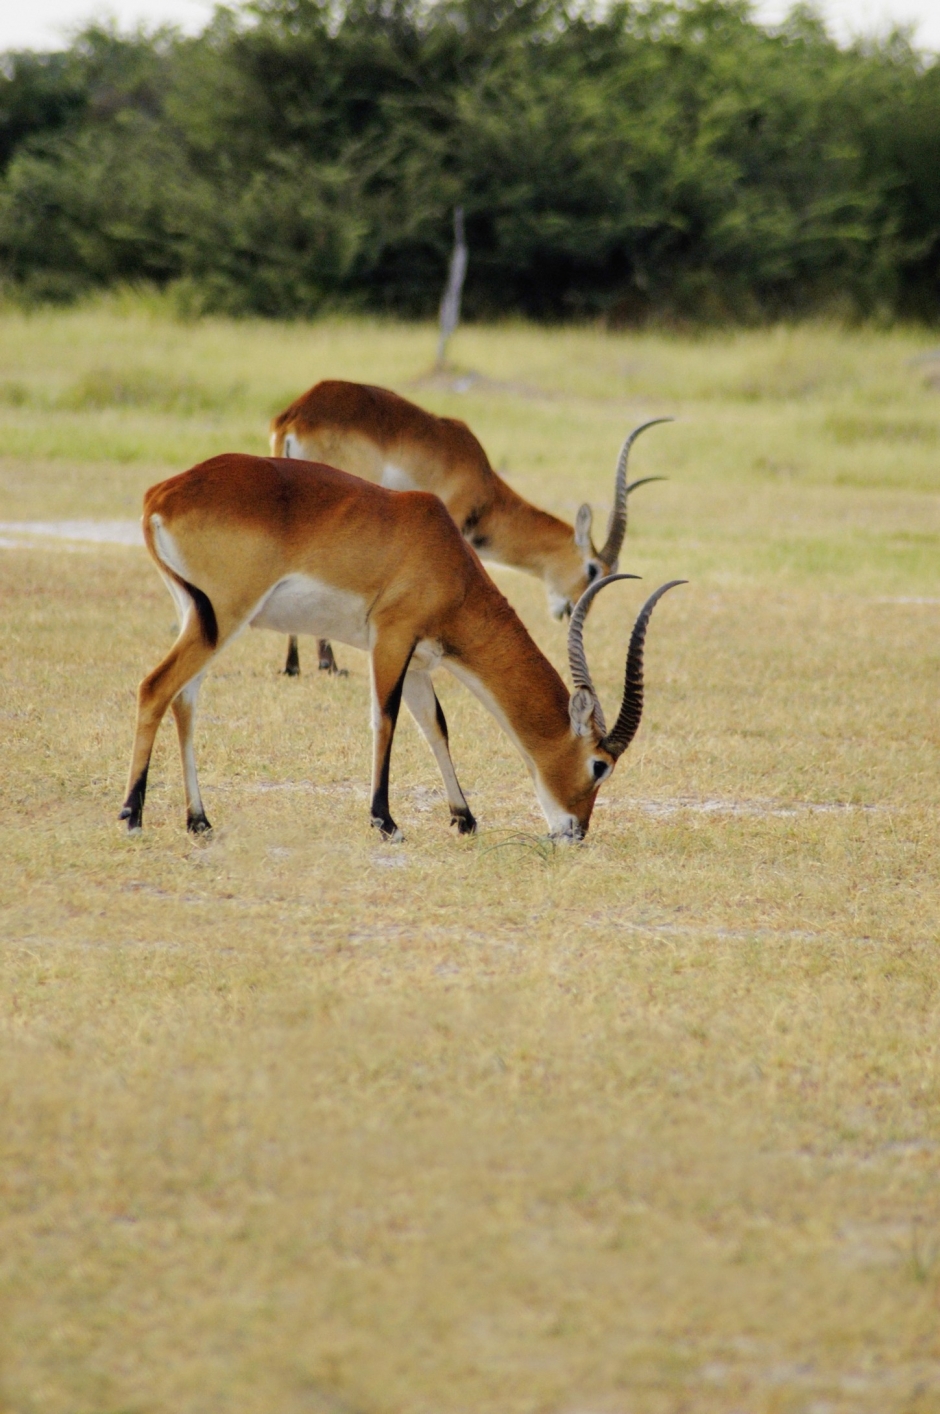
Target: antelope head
x=596, y=750
x=588, y=565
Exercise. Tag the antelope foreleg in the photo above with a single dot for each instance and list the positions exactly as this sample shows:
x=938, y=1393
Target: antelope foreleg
x=421, y=701
x=389, y=666
x=292, y=666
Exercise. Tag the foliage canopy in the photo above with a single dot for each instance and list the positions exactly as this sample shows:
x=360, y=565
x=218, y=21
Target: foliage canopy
x=649, y=160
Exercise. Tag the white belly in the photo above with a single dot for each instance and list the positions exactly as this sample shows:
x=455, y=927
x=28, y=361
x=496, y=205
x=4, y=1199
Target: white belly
x=302, y=604
x=395, y=479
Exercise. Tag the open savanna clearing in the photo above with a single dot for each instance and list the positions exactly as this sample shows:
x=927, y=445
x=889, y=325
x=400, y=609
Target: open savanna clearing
x=294, y=1120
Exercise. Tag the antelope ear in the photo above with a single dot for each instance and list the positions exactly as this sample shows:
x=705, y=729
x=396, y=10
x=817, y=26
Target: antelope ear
x=581, y=711
x=582, y=527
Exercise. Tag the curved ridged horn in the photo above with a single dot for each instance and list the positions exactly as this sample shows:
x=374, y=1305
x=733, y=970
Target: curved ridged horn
x=617, y=525
x=580, y=674
x=631, y=709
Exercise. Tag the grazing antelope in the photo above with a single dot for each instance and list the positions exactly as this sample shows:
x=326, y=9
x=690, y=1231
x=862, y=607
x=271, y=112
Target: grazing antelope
x=302, y=548
x=381, y=437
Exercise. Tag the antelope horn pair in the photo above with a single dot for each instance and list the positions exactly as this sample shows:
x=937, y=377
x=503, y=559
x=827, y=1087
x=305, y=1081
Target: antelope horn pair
x=617, y=525
x=624, y=729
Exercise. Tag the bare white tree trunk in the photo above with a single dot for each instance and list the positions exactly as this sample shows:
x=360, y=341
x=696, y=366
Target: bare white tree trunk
x=450, y=304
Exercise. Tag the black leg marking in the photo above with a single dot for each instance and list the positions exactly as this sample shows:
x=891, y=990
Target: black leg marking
x=197, y=824
x=208, y=624
x=327, y=663
x=134, y=804
x=462, y=818
x=441, y=719
x=381, y=818
x=292, y=666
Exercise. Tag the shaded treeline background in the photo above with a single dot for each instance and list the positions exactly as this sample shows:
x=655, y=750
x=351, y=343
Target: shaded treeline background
x=664, y=160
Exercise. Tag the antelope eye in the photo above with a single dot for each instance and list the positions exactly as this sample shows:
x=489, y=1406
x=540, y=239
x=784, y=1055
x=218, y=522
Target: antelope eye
x=591, y=573
x=600, y=769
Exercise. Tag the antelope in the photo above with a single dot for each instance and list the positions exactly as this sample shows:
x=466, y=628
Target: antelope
x=382, y=437
x=301, y=548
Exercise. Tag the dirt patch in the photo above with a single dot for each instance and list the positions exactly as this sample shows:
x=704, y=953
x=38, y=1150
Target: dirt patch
x=762, y=808
x=24, y=534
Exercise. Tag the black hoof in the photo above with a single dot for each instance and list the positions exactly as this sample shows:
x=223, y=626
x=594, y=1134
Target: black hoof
x=388, y=830
x=291, y=671
x=133, y=808
x=197, y=824
x=466, y=824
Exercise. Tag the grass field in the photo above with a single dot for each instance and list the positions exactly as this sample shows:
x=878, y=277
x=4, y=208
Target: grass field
x=295, y=1122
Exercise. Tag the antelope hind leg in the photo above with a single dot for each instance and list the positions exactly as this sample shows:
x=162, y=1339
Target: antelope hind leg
x=390, y=661
x=185, y=661
x=325, y=659
x=184, y=710
x=292, y=666
x=326, y=662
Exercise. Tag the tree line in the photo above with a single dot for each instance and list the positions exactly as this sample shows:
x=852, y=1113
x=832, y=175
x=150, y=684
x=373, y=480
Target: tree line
x=671, y=159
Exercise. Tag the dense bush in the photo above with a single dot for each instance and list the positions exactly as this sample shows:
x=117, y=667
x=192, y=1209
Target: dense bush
x=661, y=159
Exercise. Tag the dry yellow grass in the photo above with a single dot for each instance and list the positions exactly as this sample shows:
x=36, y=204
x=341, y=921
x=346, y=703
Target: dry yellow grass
x=296, y=1121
